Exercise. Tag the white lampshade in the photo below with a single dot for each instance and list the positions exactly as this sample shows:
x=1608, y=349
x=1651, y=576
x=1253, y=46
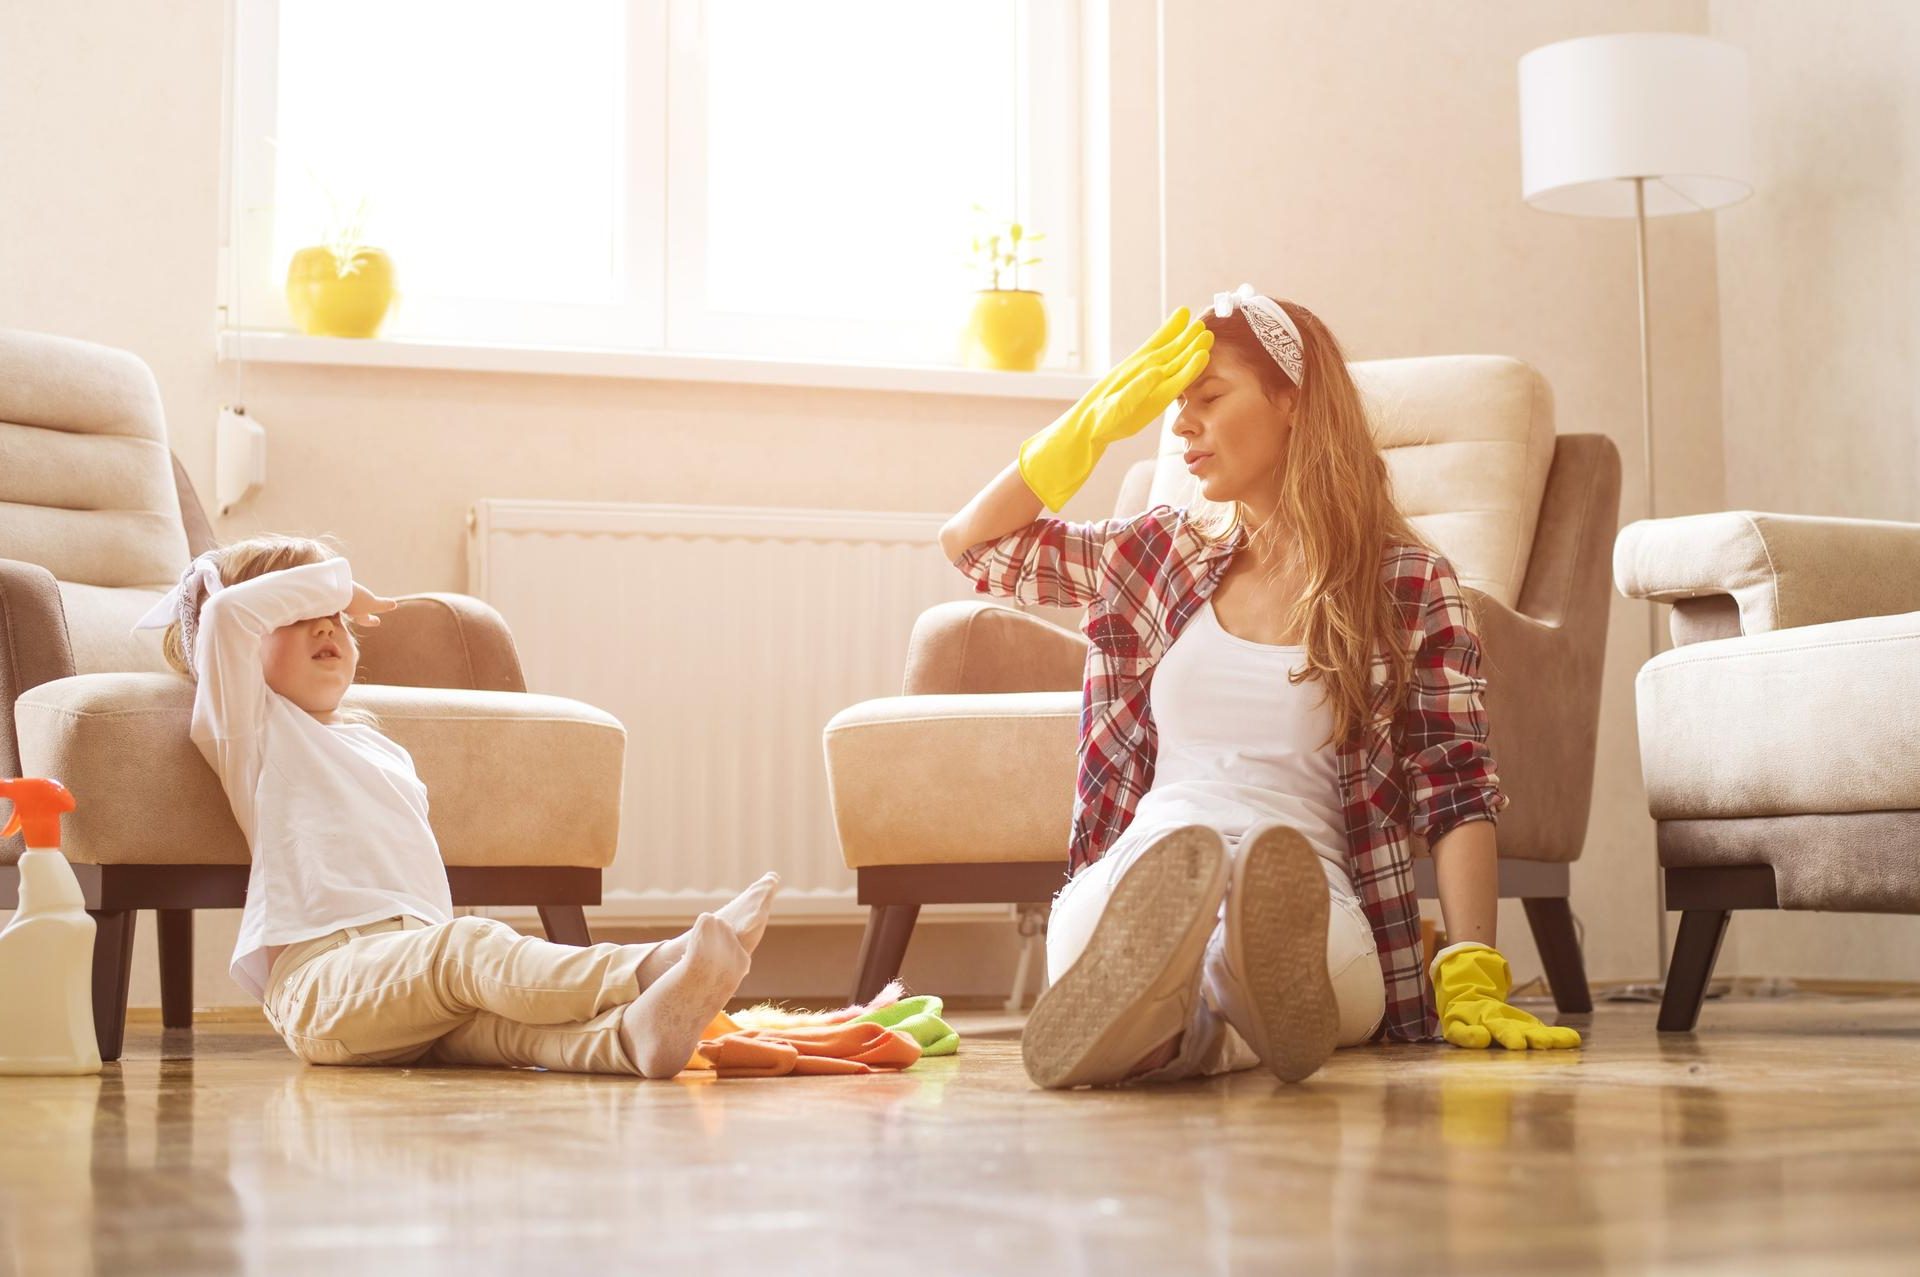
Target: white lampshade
x=1599, y=111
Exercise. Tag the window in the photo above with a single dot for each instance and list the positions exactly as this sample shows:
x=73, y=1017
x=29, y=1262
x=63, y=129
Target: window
x=773, y=178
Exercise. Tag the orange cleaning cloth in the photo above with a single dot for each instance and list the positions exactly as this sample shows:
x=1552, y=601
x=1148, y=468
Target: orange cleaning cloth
x=808, y=1051
x=719, y=1027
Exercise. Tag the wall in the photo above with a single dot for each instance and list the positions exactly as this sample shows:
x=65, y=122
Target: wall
x=1363, y=159
x=1820, y=338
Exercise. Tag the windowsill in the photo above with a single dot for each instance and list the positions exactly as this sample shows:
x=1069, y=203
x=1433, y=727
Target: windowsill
x=464, y=356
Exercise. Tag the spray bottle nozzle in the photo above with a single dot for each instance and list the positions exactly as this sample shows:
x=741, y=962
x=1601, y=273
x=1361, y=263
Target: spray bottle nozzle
x=37, y=806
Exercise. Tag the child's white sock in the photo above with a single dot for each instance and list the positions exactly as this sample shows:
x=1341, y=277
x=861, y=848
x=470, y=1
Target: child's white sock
x=661, y=1028
x=747, y=913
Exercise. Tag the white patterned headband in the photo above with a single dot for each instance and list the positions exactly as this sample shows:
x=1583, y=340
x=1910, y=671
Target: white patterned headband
x=182, y=603
x=1270, y=323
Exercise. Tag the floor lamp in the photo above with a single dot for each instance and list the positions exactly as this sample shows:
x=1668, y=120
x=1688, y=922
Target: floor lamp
x=1639, y=125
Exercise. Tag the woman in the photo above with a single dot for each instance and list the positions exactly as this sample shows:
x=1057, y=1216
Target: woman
x=1282, y=690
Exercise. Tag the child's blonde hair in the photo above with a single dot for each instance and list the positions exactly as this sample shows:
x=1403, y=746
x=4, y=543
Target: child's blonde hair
x=243, y=561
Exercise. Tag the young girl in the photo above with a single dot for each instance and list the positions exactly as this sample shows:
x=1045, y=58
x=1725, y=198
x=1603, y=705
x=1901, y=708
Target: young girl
x=348, y=936
x=1282, y=688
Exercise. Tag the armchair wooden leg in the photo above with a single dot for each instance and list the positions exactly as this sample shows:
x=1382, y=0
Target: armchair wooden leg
x=1694, y=950
x=883, y=948
x=176, y=968
x=1553, y=935
x=112, y=972
x=566, y=924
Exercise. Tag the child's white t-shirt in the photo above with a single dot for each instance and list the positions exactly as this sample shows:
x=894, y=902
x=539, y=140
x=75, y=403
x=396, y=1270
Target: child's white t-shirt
x=335, y=814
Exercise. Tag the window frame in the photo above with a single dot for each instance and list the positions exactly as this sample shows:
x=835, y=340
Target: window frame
x=661, y=218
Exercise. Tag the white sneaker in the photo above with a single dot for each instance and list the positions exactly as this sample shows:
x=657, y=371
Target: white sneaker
x=1134, y=986
x=1277, y=945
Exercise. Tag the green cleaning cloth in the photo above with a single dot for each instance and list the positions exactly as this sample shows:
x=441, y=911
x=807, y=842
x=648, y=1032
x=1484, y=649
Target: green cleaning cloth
x=918, y=1018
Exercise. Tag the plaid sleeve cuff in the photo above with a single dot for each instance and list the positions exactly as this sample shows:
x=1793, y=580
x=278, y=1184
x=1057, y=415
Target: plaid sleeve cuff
x=1464, y=805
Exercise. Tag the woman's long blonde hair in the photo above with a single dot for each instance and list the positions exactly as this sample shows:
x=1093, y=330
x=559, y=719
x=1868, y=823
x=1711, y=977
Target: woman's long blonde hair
x=1334, y=493
x=257, y=556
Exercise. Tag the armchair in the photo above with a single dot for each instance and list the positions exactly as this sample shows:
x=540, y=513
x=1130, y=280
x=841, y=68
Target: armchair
x=991, y=701
x=1775, y=738
x=96, y=520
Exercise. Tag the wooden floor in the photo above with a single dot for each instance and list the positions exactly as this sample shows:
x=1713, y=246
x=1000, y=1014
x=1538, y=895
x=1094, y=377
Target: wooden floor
x=1784, y=1136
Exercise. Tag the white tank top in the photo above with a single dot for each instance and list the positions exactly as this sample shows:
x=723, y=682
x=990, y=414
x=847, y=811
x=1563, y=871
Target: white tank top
x=1239, y=744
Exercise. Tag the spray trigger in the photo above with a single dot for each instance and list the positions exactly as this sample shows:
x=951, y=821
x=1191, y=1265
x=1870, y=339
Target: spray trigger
x=37, y=807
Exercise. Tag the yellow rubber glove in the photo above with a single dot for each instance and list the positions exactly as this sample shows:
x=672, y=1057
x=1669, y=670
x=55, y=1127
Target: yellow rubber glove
x=1134, y=392
x=1471, y=982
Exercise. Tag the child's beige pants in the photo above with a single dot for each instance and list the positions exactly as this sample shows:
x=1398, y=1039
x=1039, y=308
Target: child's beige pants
x=470, y=991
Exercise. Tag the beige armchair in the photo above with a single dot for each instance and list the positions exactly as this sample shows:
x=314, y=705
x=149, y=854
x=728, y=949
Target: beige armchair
x=96, y=521
x=1777, y=737
x=961, y=790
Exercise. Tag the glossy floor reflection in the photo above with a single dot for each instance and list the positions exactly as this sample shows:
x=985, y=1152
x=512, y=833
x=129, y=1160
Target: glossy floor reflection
x=1783, y=1136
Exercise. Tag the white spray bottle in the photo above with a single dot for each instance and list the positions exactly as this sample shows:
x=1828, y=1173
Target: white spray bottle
x=46, y=951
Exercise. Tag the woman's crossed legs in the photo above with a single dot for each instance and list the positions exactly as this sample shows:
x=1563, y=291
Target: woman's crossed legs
x=1239, y=994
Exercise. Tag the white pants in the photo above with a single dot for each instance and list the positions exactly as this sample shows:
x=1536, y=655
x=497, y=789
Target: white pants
x=1214, y=1041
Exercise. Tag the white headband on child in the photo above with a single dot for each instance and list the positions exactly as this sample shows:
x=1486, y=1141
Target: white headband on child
x=182, y=602
x=1270, y=323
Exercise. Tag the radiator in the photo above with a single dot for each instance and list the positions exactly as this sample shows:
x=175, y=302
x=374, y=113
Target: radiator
x=724, y=639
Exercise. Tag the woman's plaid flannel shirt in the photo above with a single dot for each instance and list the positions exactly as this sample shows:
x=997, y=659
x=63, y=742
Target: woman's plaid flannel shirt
x=1422, y=767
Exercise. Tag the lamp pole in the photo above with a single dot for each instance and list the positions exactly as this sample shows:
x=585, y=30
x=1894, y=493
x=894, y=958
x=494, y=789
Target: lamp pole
x=1658, y=987
x=1646, y=434
x=1598, y=112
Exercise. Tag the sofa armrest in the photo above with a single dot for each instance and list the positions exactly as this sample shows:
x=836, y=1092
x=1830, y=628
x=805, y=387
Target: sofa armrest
x=1543, y=720
x=34, y=649
x=1748, y=572
x=954, y=779
x=441, y=640
x=975, y=647
x=193, y=517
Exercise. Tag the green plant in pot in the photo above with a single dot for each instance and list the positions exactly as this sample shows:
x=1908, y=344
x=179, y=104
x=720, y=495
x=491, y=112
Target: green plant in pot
x=1008, y=326
x=343, y=286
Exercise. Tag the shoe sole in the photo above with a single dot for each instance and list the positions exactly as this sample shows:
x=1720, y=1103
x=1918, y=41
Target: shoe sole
x=1149, y=940
x=1277, y=940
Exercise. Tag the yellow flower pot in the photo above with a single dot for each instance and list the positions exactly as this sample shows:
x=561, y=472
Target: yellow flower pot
x=327, y=303
x=1008, y=329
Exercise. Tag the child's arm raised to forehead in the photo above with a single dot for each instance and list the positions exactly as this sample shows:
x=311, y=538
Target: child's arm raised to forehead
x=229, y=703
